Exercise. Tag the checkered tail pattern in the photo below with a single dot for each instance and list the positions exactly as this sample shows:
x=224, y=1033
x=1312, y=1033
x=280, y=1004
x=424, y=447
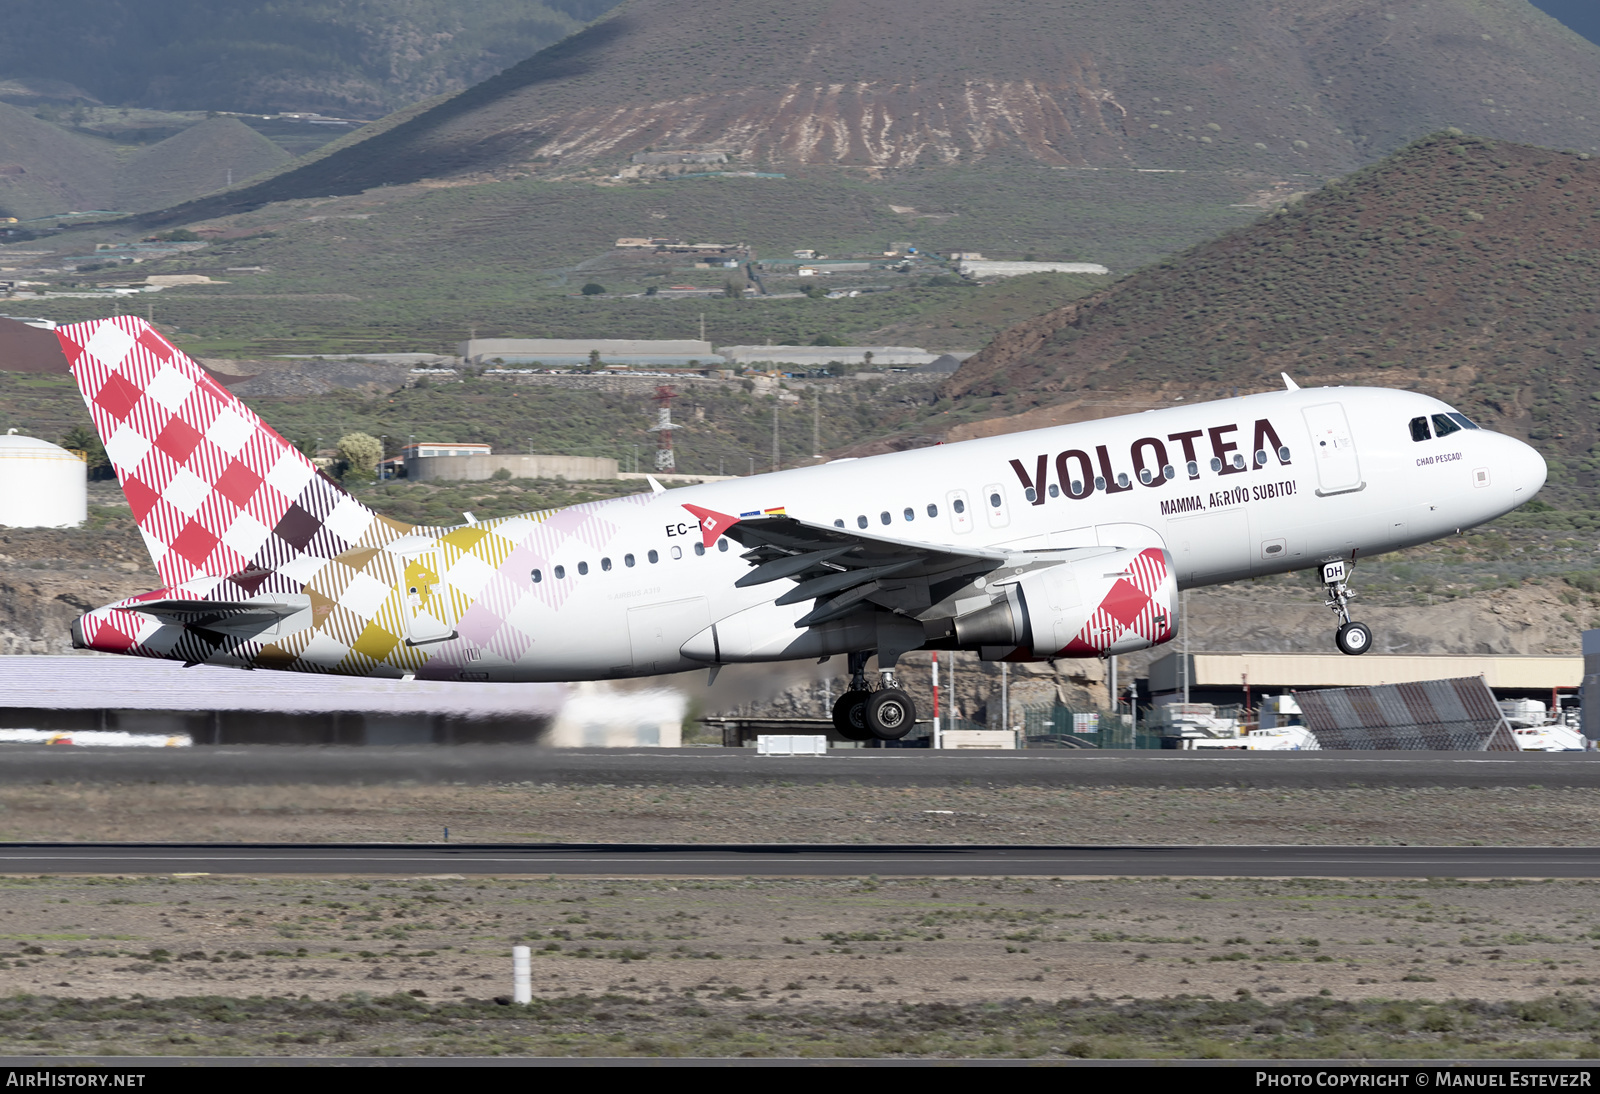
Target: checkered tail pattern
x=228, y=509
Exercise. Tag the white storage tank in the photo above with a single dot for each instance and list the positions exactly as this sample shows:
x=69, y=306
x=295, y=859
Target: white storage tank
x=42, y=485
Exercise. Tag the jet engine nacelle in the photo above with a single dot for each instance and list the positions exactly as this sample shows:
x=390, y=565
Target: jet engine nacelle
x=1115, y=601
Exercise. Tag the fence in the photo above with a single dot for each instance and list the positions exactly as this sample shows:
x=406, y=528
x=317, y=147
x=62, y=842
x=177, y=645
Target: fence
x=1050, y=725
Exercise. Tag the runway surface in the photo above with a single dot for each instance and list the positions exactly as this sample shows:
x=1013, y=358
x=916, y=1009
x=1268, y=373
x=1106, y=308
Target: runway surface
x=261, y=765
x=800, y=860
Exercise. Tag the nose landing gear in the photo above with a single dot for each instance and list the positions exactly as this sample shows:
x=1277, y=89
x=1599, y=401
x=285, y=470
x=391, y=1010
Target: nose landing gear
x=1351, y=638
x=863, y=714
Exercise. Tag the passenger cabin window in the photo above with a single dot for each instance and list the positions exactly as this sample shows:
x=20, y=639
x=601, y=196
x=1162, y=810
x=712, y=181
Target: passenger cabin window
x=561, y=572
x=839, y=523
x=884, y=517
x=653, y=557
x=1443, y=426
x=605, y=564
x=1419, y=429
x=699, y=549
x=1055, y=491
x=933, y=510
x=861, y=522
x=627, y=560
x=722, y=545
x=537, y=577
x=960, y=506
x=583, y=567
x=910, y=513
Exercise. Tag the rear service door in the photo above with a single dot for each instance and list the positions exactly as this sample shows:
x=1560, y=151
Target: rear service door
x=431, y=614
x=1338, y=467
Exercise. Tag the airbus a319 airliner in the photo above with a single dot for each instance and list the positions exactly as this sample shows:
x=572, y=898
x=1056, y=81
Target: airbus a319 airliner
x=1071, y=541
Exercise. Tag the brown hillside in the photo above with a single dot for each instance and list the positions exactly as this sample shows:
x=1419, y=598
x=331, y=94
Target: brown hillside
x=1464, y=267
x=1316, y=87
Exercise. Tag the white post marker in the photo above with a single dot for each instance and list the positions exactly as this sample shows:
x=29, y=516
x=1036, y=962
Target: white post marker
x=521, y=974
x=938, y=740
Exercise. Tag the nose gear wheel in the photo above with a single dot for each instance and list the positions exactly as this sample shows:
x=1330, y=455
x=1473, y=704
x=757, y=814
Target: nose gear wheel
x=1352, y=638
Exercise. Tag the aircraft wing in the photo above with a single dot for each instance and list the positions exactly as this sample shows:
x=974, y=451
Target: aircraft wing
x=839, y=568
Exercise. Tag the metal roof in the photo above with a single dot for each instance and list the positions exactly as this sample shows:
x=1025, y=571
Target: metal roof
x=93, y=682
x=1440, y=715
x=1286, y=670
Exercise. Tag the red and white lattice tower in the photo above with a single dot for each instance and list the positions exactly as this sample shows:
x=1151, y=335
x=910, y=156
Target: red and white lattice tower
x=663, y=429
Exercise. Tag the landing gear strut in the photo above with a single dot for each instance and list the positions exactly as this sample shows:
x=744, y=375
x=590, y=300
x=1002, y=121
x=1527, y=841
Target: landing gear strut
x=862, y=714
x=1351, y=638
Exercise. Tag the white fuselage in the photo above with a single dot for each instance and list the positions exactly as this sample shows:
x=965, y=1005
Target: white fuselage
x=1354, y=483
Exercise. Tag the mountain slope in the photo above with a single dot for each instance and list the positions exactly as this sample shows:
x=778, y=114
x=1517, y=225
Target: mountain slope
x=1463, y=267
x=362, y=58
x=1315, y=88
x=45, y=169
x=205, y=157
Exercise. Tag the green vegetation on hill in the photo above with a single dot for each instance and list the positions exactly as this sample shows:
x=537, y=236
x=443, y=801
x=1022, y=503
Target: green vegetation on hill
x=721, y=427
x=414, y=268
x=940, y=318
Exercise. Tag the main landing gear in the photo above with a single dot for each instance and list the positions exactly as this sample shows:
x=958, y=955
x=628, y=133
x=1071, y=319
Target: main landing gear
x=885, y=713
x=1351, y=638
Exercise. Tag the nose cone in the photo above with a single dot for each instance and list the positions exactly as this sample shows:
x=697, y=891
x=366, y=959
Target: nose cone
x=1526, y=470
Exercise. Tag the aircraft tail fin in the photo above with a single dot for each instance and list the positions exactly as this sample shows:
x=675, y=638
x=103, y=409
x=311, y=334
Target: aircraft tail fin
x=215, y=491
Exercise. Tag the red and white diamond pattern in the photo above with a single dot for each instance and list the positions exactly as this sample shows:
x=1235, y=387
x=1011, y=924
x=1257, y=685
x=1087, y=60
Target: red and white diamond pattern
x=214, y=490
x=1130, y=610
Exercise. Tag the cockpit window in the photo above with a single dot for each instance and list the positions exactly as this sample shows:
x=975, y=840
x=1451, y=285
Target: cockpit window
x=1419, y=429
x=1443, y=425
x=1462, y=420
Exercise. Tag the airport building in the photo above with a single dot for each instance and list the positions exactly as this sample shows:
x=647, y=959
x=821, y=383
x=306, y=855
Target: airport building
x=567, y=352
x=821, y=356
x=1222, y=678
x=439, y=460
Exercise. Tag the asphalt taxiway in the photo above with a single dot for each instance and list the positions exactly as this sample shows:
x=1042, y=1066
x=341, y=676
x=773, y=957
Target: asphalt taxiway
x=799, y=860
x=276, y=765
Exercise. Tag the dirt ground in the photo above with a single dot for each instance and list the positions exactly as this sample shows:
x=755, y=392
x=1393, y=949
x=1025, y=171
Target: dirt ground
x=202, y=965
x=712, y=959
x=1531, y=816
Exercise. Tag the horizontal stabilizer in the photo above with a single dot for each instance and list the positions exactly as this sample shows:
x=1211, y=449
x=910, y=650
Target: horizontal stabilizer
x=190, y=610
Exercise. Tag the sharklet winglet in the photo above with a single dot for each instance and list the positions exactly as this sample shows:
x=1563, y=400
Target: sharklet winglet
x=1288, y=382
x=655, y=487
